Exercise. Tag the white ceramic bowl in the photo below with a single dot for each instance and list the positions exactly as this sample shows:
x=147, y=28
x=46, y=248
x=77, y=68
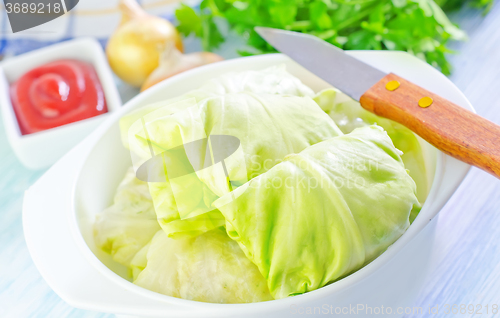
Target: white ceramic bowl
x=59, y=211
x=42, y=149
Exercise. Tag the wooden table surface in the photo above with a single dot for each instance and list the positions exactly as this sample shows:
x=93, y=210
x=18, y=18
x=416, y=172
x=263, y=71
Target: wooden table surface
x=467, y=264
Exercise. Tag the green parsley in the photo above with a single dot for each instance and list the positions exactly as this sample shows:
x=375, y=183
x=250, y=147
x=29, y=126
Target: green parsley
x=417, y=26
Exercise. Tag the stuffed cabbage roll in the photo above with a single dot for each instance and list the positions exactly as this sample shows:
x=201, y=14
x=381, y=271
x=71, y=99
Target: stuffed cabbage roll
x=324, y=212
x=273, y=80
x=349, y=115
x=209, y=268
x=130, y=223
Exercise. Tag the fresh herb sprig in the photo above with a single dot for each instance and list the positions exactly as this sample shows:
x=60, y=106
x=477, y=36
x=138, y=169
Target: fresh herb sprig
x=451, y=5
x=417, y=26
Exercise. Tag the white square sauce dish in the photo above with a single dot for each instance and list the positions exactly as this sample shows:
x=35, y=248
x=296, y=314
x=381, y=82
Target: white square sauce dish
x=60, y=210
x=43, y=148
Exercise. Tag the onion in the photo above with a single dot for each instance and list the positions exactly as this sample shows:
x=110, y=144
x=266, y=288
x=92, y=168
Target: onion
x=174, y=62
x=135, y=47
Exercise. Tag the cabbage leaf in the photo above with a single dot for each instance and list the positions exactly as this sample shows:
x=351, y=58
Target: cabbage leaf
x=349, y=115
x=129, y=224
x=208, y=268
x=269, y=125
x=323, y=213
x=272, y=80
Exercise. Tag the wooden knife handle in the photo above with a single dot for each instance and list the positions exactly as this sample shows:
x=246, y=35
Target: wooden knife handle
x=450, y=128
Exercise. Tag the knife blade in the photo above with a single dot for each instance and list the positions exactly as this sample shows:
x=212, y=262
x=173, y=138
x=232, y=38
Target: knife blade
x=453, y=130
x=350, y=75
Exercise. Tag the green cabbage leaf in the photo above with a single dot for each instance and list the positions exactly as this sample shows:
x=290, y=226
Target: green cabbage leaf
x=349, y=115
x=129, y=223
x=324, y=212
x=269, y=126
x=272, y=80
x=208, y=268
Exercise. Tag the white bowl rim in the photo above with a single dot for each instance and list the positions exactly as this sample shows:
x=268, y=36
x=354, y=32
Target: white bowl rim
x=343, y=283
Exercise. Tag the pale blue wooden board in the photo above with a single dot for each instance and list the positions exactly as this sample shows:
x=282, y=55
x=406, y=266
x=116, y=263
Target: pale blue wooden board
x=467, y=264
x=468, y=232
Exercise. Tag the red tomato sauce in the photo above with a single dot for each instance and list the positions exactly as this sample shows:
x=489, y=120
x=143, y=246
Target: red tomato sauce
x=56, y=94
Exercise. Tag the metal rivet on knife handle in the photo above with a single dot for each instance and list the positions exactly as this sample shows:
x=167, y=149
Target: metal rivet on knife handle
x=425, y=102
x=392, y=85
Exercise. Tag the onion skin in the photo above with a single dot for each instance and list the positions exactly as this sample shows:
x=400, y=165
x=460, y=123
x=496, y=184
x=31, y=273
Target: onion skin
x=135, y=48
x=174, y=62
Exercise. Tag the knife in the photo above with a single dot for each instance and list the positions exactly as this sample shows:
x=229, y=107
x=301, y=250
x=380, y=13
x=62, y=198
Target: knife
x=450, y=128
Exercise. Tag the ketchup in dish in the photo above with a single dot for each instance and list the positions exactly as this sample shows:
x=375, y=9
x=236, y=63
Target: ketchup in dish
x=56, y=94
